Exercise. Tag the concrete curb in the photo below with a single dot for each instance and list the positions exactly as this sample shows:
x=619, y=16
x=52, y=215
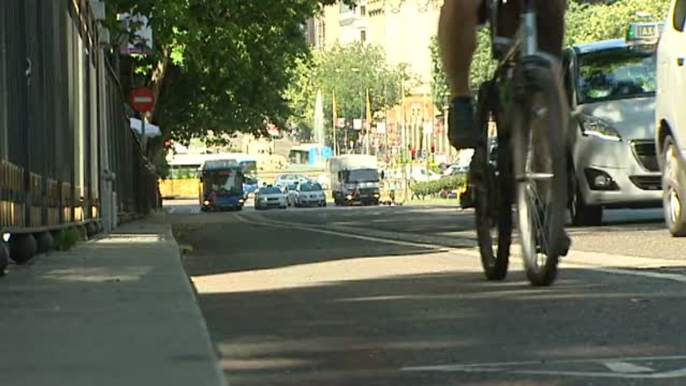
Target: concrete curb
x=193, y=292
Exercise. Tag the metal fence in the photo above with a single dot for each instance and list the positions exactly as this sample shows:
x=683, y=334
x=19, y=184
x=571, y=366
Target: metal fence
x=62, y=122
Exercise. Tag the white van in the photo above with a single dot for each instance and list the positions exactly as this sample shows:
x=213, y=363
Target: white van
x=670, y=117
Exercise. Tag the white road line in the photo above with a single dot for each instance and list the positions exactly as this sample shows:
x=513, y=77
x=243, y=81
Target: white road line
x=575, y=260
x=279, y=224
x=458, y=367
x=626, y=367
x=619, y=368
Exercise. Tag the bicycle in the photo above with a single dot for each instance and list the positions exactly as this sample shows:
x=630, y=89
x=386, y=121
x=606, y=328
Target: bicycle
x=529, y=168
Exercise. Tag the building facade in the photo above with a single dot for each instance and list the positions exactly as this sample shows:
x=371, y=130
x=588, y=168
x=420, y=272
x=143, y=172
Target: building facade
x=404, y=29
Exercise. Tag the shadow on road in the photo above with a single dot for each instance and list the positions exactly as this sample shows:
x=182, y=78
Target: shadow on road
x=234, y=246
x=362, y=332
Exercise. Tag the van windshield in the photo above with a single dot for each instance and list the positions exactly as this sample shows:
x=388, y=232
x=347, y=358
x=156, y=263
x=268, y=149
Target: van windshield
x=362, y=175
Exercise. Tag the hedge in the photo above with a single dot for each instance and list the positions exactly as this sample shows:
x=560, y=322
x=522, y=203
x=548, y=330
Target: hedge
x=433, y=188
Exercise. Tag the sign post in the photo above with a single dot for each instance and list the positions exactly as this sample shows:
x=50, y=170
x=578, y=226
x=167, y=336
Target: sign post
x=143, y=100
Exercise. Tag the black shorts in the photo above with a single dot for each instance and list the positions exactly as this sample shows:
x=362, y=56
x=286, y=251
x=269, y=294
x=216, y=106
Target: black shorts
x=551, y=21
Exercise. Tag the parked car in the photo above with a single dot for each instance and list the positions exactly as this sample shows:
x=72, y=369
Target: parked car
x=611, y=139
x=270, y=197
x=670, y=114
x=307, y=194
x=289, y=181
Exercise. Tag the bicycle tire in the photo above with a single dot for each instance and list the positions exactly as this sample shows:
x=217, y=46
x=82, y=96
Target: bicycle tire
x=493, y=200
x=541, y=147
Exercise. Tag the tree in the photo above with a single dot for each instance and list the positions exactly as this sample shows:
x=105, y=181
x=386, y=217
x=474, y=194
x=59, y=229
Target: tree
x=482, y=68
x=220, y=65
x=348, y=71
x=609, y=20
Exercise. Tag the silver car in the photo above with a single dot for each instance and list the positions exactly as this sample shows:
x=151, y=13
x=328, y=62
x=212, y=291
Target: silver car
x=270, y=197
x=307, y=194
x=611, y=86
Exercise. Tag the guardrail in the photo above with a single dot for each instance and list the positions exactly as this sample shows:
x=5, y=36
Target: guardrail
x=67, y=155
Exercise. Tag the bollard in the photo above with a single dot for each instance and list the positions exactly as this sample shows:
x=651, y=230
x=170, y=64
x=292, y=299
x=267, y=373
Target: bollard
x=22, y=247
x=44, y=242
x=91, y=230
x=4, y=257
x=83, y=233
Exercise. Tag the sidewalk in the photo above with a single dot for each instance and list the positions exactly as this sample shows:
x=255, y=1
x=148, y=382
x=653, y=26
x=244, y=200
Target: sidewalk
x=116, y=311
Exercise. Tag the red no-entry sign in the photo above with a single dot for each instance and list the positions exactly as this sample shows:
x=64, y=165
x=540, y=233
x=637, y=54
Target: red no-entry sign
x=142, y=99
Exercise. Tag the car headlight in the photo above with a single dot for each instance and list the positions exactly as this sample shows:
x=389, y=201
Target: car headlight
x=598, y=128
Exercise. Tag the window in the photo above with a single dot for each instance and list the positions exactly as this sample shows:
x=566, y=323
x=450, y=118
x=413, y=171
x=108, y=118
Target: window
x=680, y=15
x=363, y=36
x=363, y=11
x=616, y=75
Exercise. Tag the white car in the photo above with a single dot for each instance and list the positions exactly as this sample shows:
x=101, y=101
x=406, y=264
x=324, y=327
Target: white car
x=611, y=139
x=670, y=115
x=307, y=194
x=270, y=197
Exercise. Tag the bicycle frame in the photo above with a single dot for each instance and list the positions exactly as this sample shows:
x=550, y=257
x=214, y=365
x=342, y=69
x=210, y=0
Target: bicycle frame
x=525, y=41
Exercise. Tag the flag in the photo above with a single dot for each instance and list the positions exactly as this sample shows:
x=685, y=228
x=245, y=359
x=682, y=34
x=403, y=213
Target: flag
x=335, y=122
x=335, y=115
x=369, y=112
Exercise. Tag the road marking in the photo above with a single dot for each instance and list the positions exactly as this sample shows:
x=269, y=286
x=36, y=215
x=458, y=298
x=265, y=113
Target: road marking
x=575, y=260
x=279, y=224
x=626, y=367
x=620, y=368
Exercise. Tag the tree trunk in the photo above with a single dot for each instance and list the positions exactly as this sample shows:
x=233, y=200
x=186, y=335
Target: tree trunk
x=158, y=75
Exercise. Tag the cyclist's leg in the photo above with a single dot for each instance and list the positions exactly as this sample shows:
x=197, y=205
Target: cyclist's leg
x=551, y=24
x=457, y=42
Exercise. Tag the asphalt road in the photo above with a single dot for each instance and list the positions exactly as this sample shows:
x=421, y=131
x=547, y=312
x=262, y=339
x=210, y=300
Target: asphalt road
x=395, y=296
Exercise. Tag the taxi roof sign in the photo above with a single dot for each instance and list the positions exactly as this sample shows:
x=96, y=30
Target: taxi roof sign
x=643, y=32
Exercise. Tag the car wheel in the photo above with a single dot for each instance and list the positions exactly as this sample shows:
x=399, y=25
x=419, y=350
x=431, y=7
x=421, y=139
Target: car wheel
x=674, y=190
x=582, y=214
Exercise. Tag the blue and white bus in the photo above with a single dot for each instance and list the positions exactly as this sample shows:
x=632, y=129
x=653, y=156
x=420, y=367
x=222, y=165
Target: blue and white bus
x=248, y=166
x=309, y=155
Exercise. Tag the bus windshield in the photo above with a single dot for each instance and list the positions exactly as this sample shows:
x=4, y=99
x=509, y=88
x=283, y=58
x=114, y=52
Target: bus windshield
x=223, y=182
x=249, y=169
x=299, y=157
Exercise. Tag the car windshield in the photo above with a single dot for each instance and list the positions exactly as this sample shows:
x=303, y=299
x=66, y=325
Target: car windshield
x=616, y=74
x=310, y=187
x=270, y=190
x=363, y=175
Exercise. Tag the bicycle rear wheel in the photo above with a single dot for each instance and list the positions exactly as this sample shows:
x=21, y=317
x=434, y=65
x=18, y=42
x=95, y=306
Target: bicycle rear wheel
x=540, y=121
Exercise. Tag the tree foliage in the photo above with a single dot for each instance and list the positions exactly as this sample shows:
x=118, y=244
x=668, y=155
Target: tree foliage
x=585, y=22
x=348, y=72
x=220, y=65
x=482, y=68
